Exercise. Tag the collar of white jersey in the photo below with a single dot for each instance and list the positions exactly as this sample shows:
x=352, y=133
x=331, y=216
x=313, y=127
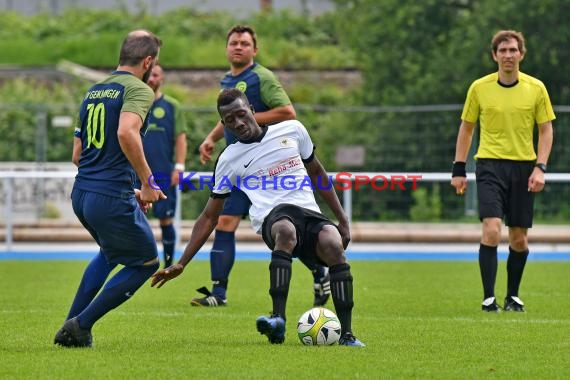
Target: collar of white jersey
x=257, y=139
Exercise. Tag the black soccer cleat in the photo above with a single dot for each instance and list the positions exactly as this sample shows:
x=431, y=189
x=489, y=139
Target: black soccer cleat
x=71, y=335
x=514, y=303
x=210, y=300
x=273, y=327
x=490, y=305
x=322, y=290
x=347, y=339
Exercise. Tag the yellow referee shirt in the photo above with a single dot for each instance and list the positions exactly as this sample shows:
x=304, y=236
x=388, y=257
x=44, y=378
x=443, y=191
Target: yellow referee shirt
x=507, y=116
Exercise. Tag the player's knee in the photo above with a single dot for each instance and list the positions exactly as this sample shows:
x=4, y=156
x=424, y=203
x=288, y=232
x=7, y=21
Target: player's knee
x=329, y=246
x=284, y=235
x=228, y=223
x=491, y=232
x=165, y=222
x=331, y=254
x=518, y=242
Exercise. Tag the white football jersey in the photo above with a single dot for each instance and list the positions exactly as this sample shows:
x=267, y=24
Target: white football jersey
x=269, y=170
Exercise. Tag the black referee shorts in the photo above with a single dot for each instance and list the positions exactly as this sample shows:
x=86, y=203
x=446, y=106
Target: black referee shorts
x=502, y=191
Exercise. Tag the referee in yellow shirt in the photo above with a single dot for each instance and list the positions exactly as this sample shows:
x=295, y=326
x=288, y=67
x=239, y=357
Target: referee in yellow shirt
x=508, y=105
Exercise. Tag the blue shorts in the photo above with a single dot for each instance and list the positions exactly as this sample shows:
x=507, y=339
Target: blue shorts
x=165, y=208
x=118, y=225
x=236, y=204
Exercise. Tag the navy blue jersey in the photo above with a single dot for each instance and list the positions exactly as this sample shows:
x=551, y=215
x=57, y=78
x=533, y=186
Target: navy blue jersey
x=165, y=122
x=261, y=87
x=103, y=167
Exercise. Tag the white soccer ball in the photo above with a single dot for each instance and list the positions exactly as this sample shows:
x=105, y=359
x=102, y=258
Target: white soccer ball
x=318, y=327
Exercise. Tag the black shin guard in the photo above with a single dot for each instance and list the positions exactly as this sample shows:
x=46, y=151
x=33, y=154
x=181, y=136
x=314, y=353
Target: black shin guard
x=280, y=277
x=341, y=289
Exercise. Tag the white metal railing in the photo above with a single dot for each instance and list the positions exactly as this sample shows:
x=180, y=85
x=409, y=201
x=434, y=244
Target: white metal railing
x=8, y=178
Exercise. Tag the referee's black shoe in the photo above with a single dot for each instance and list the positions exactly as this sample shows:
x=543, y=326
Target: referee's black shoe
x=490, y=305
x=514, y=303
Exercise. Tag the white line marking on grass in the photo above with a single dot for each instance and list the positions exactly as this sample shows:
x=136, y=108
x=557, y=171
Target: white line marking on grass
x=492, y=319
x=151, y=313
x=115, y=312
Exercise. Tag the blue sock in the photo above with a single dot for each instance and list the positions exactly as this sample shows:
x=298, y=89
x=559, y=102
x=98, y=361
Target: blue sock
x=222, y=258
x=93, y=279
x=118, y=289
x=168, y=242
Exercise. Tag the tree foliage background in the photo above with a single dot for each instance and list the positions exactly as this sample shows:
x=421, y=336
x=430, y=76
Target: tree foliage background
x=428, y=52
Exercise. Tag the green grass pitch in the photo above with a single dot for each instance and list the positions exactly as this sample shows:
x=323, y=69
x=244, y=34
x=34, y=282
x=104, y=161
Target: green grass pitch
x=419, y=320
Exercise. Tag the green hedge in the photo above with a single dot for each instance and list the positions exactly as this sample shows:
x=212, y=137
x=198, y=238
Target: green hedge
x=191, y=39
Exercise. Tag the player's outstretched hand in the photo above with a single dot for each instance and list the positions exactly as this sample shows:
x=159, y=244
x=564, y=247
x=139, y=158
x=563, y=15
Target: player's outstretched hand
x=162, y=276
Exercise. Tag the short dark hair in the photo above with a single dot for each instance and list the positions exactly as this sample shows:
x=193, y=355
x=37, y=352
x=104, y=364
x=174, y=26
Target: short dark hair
x=243, y=29
x=228, y=95
x=505, y=35
x=138, y=45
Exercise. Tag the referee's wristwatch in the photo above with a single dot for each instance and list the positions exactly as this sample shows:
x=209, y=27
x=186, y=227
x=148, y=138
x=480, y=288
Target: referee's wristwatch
x=542, y=167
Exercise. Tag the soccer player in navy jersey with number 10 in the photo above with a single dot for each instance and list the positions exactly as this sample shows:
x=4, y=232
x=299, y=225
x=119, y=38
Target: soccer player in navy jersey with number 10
x=108, y=151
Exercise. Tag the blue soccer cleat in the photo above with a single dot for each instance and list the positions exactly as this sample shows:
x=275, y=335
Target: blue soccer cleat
x=273, y=327
x=347, y=339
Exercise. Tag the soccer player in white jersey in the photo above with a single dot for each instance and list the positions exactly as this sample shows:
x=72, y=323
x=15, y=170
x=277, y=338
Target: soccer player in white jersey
x=277, y=168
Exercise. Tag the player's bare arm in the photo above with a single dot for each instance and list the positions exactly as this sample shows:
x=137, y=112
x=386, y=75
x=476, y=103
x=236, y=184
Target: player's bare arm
x=275, y=115
x=320, y=181
x=536, y=180
x=462, y=146
x=77, y=148
x=130, y=140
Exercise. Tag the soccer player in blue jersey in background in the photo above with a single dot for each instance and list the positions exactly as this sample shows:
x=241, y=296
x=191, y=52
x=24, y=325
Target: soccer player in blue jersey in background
x=108, y=151
x=271, y=105
x=165, y=150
